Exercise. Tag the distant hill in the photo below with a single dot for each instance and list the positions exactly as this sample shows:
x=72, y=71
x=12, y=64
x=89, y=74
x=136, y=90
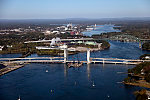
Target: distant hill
x=73, y=20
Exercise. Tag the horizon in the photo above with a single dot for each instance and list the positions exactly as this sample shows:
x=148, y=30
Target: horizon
x=74, y=18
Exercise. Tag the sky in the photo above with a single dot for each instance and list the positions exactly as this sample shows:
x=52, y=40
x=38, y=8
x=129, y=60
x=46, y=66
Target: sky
x=60, y=9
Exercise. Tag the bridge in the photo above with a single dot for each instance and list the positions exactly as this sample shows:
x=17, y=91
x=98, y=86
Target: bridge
x=64, y=59
x=116, y=38
x=79, y=39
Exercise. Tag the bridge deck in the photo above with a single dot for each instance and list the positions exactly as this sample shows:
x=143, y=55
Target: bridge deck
x=61, y=60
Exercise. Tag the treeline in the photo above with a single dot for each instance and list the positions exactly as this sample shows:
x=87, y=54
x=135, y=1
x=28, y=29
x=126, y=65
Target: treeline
x=105, y=44
x=9, y=39
x=21, y=48
x=105, y=35
x=139, y=29
x=141, y=70
x=146, y=46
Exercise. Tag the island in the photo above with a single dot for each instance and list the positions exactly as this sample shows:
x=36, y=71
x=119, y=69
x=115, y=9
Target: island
x=146, y=46
x=139, y=75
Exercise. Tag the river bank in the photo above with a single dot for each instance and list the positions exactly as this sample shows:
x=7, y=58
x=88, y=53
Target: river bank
x=140, y=83
x=142, y=94
x=139, y=76
x=9, y=67
x=77, y=48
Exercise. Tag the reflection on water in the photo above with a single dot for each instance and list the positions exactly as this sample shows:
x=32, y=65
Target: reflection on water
x=88, y=71
x=65, y=70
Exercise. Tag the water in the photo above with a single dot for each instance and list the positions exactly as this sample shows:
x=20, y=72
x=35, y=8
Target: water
x=128, y=50
x=101, y=29
x=57, y=82
x=123, y=50
x=10, y=55
x=33, y=83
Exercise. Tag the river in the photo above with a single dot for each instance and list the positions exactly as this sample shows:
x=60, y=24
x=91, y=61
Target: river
x=96, y=81
x=57, y=82
x=102, y=29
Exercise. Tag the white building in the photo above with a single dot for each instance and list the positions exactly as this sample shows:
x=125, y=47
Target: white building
x=57, y=32
x=147, y=57
x=1, y=48
x=47, y=32
x=69, y=27
x=63, y=32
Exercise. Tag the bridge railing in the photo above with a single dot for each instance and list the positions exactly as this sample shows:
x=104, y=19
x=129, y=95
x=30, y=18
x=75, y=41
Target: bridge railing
x=34, y=58
x=117, y=61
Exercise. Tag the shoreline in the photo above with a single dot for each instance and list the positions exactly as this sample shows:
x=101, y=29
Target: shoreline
x=137, y=84
x=10, y=68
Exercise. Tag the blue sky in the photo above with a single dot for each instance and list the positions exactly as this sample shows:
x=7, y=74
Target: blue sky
x=55, y=9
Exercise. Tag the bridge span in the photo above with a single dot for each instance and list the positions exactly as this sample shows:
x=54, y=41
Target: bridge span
x=16, y=63
x=65, y=60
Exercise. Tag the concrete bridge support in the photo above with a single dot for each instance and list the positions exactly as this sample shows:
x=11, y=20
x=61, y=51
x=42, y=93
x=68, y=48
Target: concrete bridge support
x=140, y=44
x=65, y=55
x=88, y=56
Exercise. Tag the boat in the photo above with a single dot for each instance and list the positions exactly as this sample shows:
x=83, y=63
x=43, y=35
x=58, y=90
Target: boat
x=75, y=64
x=93, y=84
x=78, y=64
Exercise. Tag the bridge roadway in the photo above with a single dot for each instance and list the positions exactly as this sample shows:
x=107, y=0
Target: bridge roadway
x=30, y=58
x=117, y=61
x=61, y=60
x=79, y=39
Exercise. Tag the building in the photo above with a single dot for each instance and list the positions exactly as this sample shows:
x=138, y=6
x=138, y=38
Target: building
x=1, y=48
x=69, y=27
x=47, y=32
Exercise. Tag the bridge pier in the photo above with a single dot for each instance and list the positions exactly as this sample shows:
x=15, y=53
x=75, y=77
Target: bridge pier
x=140, y=44
x=103, y=61
x=65, y=54
x=88, y=56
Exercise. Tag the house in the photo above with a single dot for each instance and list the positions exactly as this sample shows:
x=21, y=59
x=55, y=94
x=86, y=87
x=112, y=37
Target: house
x=147, y=57
x=142, y=72
x=1, y=48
